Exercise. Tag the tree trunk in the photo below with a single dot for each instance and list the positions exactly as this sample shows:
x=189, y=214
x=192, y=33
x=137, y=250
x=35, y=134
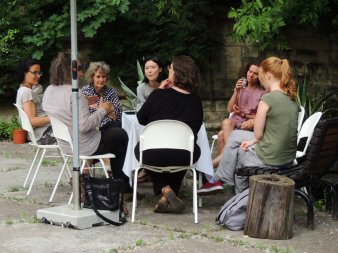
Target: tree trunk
x=270, y=207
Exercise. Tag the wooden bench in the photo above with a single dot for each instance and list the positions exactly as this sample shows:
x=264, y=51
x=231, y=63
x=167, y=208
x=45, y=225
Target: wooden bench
x=312, y=169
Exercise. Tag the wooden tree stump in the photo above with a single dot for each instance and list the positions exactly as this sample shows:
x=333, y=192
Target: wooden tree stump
x=270, y=207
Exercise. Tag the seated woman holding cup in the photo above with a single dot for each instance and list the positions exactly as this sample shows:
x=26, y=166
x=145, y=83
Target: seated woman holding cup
x=243, y=105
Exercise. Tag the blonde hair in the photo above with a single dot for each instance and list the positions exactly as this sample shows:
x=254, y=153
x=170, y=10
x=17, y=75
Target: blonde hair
x=281, y=70
x=94, y=67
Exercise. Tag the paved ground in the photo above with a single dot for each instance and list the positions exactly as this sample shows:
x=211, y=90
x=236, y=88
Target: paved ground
x=20, y=231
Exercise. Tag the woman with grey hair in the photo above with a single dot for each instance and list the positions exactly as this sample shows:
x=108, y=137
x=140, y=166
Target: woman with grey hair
x=97, y=75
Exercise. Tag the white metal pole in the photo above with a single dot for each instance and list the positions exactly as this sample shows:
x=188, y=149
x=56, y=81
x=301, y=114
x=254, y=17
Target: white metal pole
x=75, y=108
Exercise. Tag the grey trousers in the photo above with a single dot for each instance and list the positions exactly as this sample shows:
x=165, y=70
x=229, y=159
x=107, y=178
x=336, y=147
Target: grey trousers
x=234, y=157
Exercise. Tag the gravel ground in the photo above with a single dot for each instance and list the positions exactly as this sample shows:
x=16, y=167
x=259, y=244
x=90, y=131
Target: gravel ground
x=20, y=231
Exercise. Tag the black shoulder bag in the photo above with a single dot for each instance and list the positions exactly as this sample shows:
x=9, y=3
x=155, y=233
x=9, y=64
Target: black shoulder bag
x=105, y=194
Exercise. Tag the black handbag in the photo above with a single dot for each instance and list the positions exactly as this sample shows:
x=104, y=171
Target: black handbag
x=105, y=194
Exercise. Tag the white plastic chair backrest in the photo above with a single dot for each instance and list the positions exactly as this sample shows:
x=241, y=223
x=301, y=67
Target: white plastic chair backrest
x=301, y=115
x=308, y=128
x=26, y=124
x=169, y=134
x=60, y=130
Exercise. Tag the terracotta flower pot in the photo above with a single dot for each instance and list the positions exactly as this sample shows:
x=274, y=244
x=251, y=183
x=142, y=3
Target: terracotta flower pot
x=19, y=136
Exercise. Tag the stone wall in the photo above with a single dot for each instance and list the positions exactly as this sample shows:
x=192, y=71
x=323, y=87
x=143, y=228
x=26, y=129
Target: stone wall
x=310, y=55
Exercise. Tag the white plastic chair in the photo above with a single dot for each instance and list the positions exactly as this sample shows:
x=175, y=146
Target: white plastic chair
x=26, y=124
x=306, y=131
x=61, y=132
x=169, y=134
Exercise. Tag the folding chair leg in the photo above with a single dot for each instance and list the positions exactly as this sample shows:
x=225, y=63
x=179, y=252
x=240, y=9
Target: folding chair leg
x=36, y=171
x=134, y=195
x=31, y=167
x=58, y=180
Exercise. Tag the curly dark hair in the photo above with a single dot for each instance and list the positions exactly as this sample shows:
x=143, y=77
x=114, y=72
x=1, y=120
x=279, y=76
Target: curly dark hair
x=245, y=70
x=186, y=73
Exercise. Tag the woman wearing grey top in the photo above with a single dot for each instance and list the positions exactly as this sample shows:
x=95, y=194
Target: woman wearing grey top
x=91, y=140
x=154, y=75
x=28, y=74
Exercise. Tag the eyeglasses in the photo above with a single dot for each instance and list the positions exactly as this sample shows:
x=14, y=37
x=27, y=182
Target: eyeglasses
x=36, y=73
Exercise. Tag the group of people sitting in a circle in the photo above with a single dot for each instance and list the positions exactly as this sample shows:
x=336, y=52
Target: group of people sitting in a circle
x=261, y=131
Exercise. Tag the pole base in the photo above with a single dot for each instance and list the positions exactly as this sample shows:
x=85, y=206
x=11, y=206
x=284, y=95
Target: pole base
x=66, y=216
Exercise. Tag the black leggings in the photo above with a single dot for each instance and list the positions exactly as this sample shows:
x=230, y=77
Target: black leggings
x=167, y=157
x=115, y=140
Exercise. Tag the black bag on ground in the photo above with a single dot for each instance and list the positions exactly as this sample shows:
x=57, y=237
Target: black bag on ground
x=105, y=194
x=233, y=212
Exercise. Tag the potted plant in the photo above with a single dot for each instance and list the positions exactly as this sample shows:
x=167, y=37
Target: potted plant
x=19, y=135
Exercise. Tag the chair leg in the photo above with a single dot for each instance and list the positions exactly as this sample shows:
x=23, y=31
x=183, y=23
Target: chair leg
x=195, y=209
x=58, y=180
x=200, y=183
x=36, y=171
x=335, y=201
x=31, y=167
x=134, y=195
x=309, y=204
x=331, y=199
x=104, y=168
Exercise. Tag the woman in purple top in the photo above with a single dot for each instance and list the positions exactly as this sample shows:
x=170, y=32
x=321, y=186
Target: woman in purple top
x=242, y=106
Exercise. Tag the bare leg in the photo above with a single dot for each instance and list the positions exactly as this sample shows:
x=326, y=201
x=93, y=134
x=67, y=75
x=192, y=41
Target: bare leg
x=228, y=125
x=220, y=142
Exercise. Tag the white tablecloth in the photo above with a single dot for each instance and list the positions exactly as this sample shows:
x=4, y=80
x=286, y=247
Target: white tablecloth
x=133, y=128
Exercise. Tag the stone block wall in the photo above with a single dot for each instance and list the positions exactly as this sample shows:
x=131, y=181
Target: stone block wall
x=310, y=55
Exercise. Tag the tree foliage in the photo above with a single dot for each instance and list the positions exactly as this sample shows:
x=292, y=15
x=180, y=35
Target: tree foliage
x=116, y=31
x=261, y=22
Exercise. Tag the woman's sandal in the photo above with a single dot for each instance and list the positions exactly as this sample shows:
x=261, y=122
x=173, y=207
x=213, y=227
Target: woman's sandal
x=162, y=205
x=176, y=205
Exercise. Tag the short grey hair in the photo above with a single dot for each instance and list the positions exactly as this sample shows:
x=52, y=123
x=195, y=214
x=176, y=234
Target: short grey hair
x=94, y=67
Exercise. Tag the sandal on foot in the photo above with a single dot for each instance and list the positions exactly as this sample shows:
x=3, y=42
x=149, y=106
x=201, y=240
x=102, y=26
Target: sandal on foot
x=176, y=205
x=176, y=209
x=161, y=206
